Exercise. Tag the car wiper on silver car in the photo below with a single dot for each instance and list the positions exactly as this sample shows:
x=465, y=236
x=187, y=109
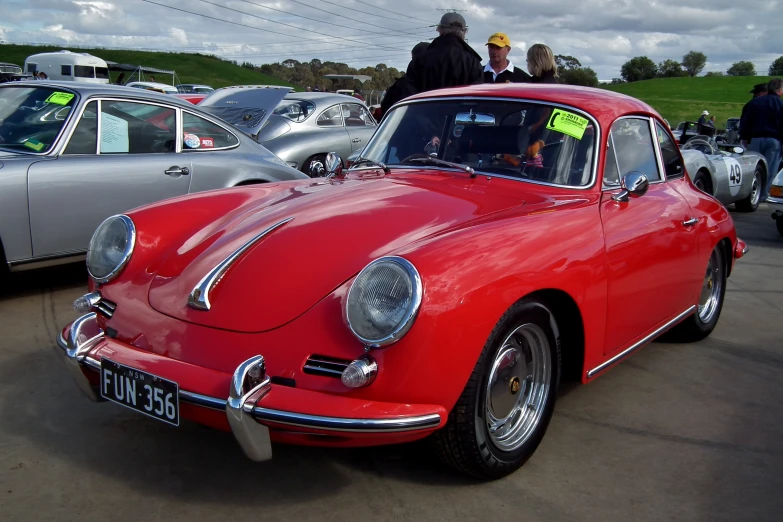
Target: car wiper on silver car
x=373, y=163
x=444, y=163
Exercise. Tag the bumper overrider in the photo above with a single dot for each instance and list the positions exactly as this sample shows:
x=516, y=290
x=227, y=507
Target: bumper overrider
x=248, y=414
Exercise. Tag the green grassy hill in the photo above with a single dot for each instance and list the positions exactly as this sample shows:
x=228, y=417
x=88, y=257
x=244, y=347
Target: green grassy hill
x=683, y=99
x=190, y=68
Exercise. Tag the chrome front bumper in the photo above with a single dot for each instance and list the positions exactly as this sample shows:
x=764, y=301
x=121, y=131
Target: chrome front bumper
x=245, y=417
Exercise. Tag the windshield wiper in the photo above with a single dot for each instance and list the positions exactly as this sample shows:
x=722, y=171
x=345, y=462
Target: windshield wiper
x=444, y=163
x=363, y=161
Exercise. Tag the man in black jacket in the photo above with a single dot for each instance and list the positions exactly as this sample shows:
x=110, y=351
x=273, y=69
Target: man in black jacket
x=449, y=60
x=397, y=90
x=499, y=69
x=762, y=125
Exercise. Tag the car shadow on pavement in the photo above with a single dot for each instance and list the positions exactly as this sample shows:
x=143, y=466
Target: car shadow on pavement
x=21, y=284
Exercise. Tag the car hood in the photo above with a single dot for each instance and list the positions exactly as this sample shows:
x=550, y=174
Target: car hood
x=246, y=108
x=335, y=229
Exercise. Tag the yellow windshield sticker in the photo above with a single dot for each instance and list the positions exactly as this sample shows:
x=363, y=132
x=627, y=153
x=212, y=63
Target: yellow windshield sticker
x=567, y=123
x=35, y=145
x=60, y=98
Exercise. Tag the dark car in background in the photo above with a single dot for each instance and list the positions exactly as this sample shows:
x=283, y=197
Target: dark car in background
x=10, y=72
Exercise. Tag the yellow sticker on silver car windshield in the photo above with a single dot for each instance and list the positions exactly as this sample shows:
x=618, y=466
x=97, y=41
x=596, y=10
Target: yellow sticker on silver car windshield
x=36, y=145
x=60, y=98
x=567, y=123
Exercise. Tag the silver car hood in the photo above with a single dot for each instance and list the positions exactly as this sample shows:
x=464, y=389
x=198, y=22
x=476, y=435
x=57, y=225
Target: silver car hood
x=244, y=107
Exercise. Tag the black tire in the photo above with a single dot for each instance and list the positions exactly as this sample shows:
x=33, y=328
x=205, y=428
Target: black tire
x=700, y=324
x=318, y=158
x=751, y=203
x=702, y=182
x=465, y=442
x=778, y=223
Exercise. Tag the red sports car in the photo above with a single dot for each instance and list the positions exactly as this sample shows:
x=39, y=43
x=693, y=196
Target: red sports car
x=490, y=243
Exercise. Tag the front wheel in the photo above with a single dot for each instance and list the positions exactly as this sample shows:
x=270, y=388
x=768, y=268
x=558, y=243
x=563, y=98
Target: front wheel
x=705, y=318
x=319, y=160
x=505, y=408
x=751, y=203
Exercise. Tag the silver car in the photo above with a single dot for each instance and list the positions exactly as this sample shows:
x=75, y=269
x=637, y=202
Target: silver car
x=306, y=126
x=73, y=154
x=731, y=177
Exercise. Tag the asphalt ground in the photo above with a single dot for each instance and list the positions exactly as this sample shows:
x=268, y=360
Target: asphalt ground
x=676, y=432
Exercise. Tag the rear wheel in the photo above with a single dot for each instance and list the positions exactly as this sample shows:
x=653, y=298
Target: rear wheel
x=702, y=182
x=505, y=408
x=751, y=203
x=705, y=318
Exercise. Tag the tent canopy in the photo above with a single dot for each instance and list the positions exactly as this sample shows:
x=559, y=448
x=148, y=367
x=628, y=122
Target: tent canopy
x=114, y=66
x=361, y=77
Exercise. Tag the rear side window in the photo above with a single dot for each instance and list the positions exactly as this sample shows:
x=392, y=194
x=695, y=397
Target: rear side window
x=137, y=128
x=672, y=162
x=84, y=139
x=65, y=70
x=632, y=149
x=32, y=67
x=201, y=134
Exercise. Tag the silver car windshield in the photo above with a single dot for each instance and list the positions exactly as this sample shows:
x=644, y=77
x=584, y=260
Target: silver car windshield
x=526, y=140
x=31, y=117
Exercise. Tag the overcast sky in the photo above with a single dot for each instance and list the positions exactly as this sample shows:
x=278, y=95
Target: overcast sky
x=602, y=34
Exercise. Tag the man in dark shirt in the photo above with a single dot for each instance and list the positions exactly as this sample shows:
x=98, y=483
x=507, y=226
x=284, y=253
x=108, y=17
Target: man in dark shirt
x=499, y=68
x=760, y=89
x=448, y=62
x=762, y=125
x=396, y=91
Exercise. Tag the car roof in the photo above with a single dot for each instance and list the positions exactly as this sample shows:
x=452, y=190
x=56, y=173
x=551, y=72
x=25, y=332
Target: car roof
x=322, y=98
x=87, y=90
x=602, y=103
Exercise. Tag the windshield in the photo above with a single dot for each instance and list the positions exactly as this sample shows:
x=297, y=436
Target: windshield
x=31, y=117
x=295, y=110
x=521, y=139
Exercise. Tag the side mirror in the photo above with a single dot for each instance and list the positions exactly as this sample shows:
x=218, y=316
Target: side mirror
x=738, y=150
x=632, y=184
x=334, y=165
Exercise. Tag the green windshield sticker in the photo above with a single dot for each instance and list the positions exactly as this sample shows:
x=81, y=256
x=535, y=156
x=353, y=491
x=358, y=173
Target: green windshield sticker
x=60, y=98
x=35, y=145
x=567, y=123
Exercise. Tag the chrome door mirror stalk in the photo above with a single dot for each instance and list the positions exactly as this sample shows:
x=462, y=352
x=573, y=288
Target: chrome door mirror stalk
x=632, y=184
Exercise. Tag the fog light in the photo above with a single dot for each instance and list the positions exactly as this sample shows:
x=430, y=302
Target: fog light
x=86, y=302
x=256, y=374
x=360, y=372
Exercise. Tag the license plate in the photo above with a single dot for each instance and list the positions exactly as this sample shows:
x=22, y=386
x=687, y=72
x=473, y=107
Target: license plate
x=140, y=391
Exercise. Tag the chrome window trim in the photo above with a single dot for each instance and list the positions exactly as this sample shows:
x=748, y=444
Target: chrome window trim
x=342, y=120
x=181, y=133
x=597, y=138
x=102, y=99
x=606, y=188
x=67, y=140
x=98, y=128
x=57, y=143
x=659, y=150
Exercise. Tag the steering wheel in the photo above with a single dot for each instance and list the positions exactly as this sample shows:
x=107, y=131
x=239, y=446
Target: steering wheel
x=700, y=144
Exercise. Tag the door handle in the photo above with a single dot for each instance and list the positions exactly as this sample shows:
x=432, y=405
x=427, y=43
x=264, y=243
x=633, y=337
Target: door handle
x=356, y=140
x=177, y=171
x=690, y=222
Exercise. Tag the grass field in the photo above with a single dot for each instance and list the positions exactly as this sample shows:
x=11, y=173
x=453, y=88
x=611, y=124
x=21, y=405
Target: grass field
x=190, y=68
x=683, y=99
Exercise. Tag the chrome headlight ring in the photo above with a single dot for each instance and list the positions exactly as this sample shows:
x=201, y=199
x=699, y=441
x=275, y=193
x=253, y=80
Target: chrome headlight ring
x=122, y=248
x=383, y=301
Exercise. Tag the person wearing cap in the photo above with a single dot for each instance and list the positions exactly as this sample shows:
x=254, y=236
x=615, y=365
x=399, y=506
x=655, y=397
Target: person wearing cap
x=760, y=89
x=702, y=123
x=762, y=126
x=448, y=61
x=397, y=90
x=499, y=68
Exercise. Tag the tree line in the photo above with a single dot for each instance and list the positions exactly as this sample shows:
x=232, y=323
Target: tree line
x=693, y=63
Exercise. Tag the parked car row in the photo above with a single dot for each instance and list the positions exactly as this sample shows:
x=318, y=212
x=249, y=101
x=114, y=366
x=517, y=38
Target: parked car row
x=467, y=262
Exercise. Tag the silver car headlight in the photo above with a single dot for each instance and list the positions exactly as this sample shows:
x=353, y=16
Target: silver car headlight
x=110, y=248
x=383, y=301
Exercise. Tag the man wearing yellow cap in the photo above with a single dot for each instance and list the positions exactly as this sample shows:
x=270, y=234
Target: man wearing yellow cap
x=499, y=69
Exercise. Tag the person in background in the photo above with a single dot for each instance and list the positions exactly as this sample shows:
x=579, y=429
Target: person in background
x=152, y=78
x=499, y=68
x=762, y=126
x=120, y=79
x=448, y=61
x=541, y=64
x=396, y=91
x=760, y=89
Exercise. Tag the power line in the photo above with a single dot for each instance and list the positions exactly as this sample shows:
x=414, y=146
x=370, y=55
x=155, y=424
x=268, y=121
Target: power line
x=340, y=15
x=365, y=12
x=390, y=11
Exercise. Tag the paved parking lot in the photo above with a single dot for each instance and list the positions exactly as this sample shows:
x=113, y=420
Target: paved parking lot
x=677, y=432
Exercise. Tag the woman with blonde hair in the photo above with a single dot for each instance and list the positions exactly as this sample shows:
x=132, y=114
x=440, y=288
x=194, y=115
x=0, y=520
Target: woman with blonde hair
x=541, y=64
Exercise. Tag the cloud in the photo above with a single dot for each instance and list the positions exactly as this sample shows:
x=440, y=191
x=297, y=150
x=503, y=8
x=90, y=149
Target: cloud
x=601, y=33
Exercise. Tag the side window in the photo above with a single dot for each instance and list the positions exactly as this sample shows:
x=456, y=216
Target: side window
x=65, y=70
x=672, y=161
x=137, y=128
x=201, y=134
x=611, y=174
x=84, y=71
x=634, y=148
x=32, y=67
x=331, y=117
x=356, y=116
x=84, y=139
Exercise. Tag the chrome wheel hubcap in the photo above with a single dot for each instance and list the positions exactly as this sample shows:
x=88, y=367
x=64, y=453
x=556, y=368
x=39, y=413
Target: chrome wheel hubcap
x=518, y=387
x=755, y=193
x=711, y=289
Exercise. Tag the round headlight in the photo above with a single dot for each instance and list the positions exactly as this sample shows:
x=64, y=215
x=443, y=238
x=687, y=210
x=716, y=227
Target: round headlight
x=110, y=248
x=383, y=301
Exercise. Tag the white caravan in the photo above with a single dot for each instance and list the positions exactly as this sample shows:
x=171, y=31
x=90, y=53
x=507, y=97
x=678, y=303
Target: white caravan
x=69, y=66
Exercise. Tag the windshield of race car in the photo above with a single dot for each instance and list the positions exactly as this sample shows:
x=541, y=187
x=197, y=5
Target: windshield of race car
x=31, y=117
x=525, y=140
